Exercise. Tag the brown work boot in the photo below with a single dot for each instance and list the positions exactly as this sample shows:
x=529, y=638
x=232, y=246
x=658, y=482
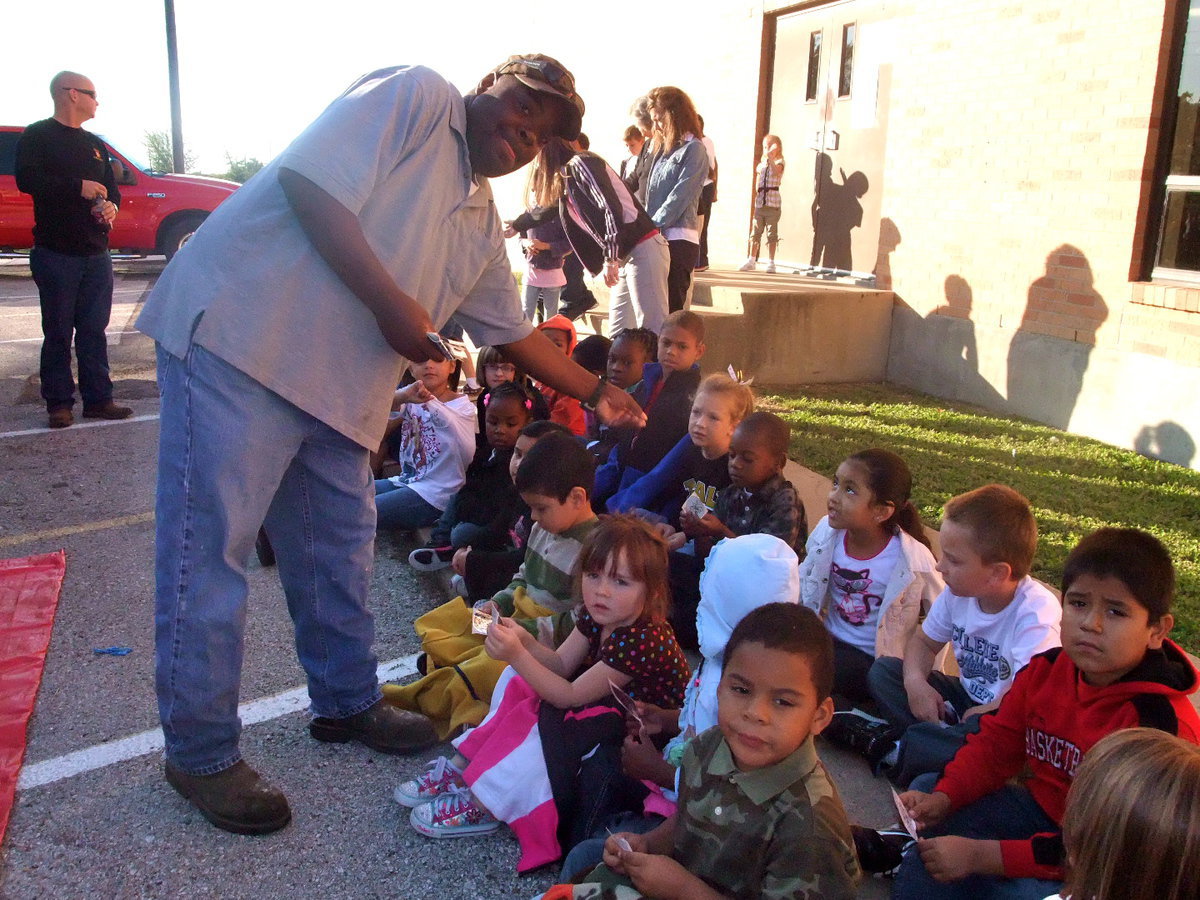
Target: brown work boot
x=236, y=799
x=61, y=417
x=107, y=410
x=382, y=727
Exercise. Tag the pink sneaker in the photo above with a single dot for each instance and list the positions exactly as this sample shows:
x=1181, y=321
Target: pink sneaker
x=440, y=778
x=453, y=814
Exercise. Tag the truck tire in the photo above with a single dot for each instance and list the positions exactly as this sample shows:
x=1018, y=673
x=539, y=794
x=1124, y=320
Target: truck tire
x=178, y=232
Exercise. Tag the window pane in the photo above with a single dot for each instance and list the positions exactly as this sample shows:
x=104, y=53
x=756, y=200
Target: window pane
x=1185, y=153
x=847, y=60
x=814, y=65
x=1180, y=247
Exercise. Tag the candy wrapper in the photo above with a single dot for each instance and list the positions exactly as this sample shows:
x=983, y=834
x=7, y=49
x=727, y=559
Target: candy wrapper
x=906, y=819
x=481, y=621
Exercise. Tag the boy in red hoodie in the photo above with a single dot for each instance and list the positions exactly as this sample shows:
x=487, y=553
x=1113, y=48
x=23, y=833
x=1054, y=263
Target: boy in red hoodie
x=983, y=837
x=564, y=409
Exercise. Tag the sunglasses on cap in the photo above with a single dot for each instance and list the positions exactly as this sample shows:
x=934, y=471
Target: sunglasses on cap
x=544, y=69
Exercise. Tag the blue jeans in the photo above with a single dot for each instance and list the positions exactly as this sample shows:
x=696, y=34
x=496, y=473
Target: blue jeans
x=1010, y=813
x=550, y=297
x=231, y=454
x=76, y=299
x=399, y=506
x=589, y=853
x=925, y=746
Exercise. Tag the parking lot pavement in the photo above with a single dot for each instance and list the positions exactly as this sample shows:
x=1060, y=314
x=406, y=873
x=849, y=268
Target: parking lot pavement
x=116, y=829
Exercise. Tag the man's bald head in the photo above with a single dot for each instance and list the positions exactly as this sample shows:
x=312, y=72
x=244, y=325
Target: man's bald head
x=74, y=98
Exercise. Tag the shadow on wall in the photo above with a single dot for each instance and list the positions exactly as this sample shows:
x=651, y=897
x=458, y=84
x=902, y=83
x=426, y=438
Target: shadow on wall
x=836, y=211
x=1049, y=354
x=1168, y=441
x=936, y=353
x=889, y=240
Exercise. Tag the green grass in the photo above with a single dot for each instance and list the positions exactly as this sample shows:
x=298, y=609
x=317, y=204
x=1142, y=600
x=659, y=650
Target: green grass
x=1075, y=484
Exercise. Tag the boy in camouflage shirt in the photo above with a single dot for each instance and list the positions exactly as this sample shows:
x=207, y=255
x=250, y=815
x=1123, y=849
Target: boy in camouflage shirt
x=758, y=816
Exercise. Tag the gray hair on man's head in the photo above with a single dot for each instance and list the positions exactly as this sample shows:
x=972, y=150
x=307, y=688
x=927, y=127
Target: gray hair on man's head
x=641, y=113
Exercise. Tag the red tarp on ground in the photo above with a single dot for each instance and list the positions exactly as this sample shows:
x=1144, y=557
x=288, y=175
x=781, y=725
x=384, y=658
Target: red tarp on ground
x=29, y=589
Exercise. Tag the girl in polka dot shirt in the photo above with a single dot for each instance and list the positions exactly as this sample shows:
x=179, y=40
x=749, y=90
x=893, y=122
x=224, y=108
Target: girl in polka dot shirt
x=622, y=639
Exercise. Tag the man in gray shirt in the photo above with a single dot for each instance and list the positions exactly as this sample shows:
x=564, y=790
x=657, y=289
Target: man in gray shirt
x=282, y=329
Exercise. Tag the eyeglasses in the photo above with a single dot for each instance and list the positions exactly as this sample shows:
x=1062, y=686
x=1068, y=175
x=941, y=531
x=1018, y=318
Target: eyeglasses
x=502, y=368
x=91, y=94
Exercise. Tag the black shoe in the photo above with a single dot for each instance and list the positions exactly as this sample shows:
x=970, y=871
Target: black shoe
x=236, y=799
x=871, y=738
x=382, y=727
x=263, y=549
x=574, y=310
x=879, y=852
x=431, y=559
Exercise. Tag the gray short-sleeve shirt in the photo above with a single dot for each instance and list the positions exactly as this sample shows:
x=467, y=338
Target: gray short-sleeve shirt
x=251, y=289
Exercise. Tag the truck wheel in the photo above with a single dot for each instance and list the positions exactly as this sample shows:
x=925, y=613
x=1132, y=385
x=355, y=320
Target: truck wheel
x=177, y=233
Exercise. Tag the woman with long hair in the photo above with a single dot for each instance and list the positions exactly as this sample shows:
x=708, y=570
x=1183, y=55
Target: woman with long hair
x=673, y=193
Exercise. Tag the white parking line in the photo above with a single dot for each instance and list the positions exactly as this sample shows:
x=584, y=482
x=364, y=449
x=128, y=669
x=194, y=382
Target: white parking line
x=262, y=710
x=89, y=423
x=108, y=338
x=5, y=300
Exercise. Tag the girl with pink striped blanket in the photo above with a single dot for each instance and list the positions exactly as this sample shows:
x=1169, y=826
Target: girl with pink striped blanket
x=553, y=708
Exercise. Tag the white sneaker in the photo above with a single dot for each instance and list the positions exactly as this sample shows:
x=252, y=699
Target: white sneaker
x=747, y=266
x=440, y=777
x=458, y=585
x=770, y=270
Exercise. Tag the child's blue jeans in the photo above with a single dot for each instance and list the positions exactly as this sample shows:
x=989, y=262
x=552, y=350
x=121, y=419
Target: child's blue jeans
x=1010, y=813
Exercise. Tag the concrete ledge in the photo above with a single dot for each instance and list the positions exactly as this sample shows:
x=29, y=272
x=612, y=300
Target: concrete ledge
x=801, y=335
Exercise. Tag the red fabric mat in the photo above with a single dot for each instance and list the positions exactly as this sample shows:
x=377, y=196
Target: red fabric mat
x=29, y=589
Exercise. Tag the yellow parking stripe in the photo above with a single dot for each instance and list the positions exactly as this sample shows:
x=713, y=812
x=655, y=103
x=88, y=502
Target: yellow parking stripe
x=120, y=522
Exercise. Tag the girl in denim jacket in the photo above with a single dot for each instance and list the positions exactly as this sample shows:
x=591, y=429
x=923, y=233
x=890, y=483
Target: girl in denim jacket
x=675, y=184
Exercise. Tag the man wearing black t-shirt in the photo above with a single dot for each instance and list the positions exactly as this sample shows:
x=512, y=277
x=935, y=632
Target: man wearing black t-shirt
x=75, y=198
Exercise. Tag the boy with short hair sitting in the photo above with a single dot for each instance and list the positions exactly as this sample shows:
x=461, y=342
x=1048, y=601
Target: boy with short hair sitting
x=665, y=393
x=758, y=500
x=985, y=837
x=993, y=615
x=758, y=816
x=553, y=480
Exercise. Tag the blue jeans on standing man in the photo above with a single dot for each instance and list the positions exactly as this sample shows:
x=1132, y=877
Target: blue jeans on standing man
x=231, y=454
x=76, y=300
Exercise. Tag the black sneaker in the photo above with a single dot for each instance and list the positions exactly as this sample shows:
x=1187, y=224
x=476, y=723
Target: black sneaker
x=431, y=559
x=870, y=737
x=880, y=852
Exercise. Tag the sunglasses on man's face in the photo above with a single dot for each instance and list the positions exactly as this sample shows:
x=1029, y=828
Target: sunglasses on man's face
x=91, y=94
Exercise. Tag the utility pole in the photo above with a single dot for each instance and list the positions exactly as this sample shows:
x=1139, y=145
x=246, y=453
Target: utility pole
x=173, y=76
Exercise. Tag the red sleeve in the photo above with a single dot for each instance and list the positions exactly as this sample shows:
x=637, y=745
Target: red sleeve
x=997, y=752
x=1041, y=856
x=567, y=411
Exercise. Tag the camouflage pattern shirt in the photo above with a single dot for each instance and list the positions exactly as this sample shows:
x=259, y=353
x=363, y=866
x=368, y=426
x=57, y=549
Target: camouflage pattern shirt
x=778, y=832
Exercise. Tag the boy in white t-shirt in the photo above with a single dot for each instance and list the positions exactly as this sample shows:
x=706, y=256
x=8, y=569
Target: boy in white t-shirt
x=994, y=616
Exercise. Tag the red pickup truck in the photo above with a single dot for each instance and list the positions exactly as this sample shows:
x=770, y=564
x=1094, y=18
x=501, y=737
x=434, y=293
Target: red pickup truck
x=159, y=212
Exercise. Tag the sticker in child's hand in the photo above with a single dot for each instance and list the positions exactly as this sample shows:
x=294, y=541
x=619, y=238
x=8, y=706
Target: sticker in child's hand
x=625, y=702
x=906, y=819
x=694, y=506
x=621, y=842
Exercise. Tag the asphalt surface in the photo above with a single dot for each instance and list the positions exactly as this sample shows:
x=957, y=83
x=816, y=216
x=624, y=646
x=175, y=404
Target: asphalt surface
x=118, y=830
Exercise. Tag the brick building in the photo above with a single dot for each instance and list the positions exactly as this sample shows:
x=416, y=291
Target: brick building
x=1020, y=174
